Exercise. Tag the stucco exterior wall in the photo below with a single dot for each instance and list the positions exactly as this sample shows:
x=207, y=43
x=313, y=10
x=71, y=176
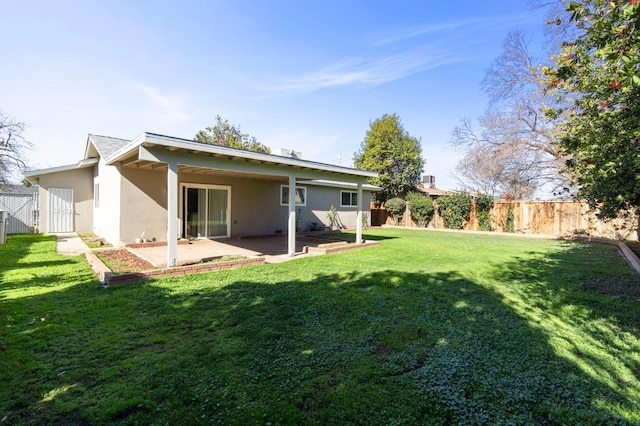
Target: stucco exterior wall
x=143, y=201
x=80, y=180
x=255, y=206
x=319, y=201
x=107, y=213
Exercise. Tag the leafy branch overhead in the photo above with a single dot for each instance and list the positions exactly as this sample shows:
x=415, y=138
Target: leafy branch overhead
x=225, y=134
x=596, y=83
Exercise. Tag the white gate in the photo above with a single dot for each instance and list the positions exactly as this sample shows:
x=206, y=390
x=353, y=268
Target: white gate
x=60, y=210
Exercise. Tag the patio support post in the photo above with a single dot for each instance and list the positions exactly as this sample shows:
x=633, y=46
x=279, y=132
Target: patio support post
x=359, y=216
x=172, y=214
x=291, y=232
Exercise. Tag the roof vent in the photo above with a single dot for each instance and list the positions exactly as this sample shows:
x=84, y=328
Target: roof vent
x=290, y=153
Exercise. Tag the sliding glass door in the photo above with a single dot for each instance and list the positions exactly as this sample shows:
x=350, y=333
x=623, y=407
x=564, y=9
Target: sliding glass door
x=205, y=211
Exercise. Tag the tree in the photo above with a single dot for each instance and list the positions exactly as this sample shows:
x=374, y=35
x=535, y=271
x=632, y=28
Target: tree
x=13, y=145
x=225, y=134
x=514, y=153
x=596, y=81
x=389, y=150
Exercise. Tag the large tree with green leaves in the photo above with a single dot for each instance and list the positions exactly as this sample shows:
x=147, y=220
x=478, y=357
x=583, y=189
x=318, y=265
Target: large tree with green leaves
x=392, y=152
x=597, y=81
x=225, y=134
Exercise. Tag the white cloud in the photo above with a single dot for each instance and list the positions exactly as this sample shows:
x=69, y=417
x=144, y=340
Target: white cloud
x=367, y=71
x=165, y=107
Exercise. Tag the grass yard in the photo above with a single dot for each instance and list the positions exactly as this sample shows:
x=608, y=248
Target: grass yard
x=428, y=328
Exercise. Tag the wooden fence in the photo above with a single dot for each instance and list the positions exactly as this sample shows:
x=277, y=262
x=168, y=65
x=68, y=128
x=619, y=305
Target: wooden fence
x=536, y=217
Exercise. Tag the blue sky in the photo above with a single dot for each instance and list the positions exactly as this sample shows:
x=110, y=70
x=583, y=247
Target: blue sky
x=302, y=75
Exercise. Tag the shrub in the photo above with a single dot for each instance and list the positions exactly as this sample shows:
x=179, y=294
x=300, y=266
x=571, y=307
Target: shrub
x=396, y=207
x=421, y=207
x=483, y=206
x=454, y=209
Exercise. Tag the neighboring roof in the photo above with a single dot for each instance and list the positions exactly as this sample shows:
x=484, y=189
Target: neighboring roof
x=105, y=145
x=432, y=191
x=18, y=189
x=33, y=176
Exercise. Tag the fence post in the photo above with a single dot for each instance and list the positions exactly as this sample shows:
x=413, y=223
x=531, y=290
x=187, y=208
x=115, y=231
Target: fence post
x=3, y=226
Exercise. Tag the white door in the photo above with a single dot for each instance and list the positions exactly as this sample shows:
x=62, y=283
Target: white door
x=60, y=210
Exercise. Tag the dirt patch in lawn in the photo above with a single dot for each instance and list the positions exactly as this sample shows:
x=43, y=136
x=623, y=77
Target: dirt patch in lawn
x=122, y=261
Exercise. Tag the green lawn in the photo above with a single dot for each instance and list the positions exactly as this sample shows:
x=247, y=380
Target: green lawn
x=428, y=328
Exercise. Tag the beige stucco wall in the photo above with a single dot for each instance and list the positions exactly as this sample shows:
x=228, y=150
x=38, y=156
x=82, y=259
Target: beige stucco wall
x=255, y=206
x=80, y=180
x=106, y=223
x=319, y=201
x=143, y=201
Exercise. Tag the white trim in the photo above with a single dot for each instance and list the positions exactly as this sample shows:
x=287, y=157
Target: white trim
x=344, y=185
x=350, y=198
x=227, y=188
x=282, y=198
x=79, y=165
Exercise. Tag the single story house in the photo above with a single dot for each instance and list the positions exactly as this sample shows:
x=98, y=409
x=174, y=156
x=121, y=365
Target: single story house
x=165, y=188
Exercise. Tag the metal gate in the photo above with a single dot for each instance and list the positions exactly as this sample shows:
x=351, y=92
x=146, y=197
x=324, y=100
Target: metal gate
x=60, y=210
x=23, y=212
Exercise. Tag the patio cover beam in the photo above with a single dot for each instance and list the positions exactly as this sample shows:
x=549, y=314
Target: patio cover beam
x=182, y=158
x=359, y=216
x=172, y=214
x=291, y=233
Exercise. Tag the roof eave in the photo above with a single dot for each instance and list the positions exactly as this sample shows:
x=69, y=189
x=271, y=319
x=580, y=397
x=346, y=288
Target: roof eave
x=152, y=138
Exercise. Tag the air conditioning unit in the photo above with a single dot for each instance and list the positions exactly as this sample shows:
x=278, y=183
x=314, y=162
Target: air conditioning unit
x=429, y=181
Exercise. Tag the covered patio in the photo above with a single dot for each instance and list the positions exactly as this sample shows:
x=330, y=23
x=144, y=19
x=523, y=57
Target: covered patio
x=275, y=249
x=176, y=158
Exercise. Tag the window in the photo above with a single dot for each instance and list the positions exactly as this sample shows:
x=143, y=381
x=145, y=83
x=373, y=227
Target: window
x=96, y=195
x=348, y=199
x=301, y=195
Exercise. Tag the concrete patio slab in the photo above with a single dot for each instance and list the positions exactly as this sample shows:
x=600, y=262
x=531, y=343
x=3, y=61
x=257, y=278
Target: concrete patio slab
x=273, y=249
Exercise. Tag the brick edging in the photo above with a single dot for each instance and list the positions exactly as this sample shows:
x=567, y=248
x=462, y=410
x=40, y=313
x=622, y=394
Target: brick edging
x=340, y=248
x=108, y=278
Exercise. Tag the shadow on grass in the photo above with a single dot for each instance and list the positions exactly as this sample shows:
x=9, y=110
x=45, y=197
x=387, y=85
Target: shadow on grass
x=385, y=347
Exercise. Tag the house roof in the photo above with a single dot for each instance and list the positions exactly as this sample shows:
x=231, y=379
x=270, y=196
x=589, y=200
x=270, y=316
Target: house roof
x=105, y=146
x=33, y=176
x=137, y=153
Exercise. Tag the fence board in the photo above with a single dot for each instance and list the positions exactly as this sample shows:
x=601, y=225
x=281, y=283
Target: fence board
x=540, y=217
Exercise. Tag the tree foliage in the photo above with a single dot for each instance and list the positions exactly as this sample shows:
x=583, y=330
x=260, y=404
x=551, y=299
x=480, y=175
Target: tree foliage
x=514, y=152
x=13, y=147
x=596, y=80
x=396, y=207
x=389, y=150
x=421, y=208
x=225, y=134
x=455, y=210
